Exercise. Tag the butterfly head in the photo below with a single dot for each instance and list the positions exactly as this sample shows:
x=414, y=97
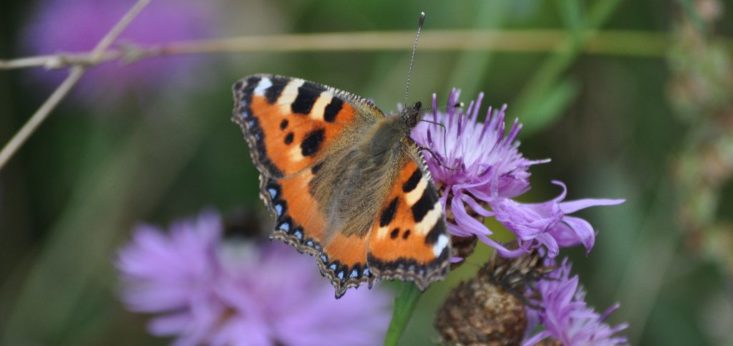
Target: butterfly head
x=411, y=116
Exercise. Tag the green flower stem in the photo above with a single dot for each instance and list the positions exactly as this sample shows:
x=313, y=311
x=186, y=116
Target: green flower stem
x=404, y=305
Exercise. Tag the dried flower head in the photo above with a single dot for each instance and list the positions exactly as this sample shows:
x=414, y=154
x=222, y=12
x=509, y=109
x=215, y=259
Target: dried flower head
x=478, y=312
x=490, y=308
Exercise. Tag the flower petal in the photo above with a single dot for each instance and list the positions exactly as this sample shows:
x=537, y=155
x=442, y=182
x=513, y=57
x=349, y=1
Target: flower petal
x=562, y=310
x=570, y=207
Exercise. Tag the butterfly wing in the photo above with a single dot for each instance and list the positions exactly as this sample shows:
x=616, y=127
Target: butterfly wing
x=290, y=124
x=409, y=240
x=293, y=128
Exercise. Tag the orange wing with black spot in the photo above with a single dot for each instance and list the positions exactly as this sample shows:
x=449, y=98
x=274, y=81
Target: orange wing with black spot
x=409, y=240
x=291, y=125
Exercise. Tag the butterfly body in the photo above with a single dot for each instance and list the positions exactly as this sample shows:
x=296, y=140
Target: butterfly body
x=345, y=182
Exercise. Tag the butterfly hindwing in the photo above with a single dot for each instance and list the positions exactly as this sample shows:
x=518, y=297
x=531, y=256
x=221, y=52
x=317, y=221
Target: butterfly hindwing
x=341, y=258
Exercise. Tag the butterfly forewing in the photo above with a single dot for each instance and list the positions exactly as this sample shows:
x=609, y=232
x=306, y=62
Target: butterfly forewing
x=289, y=123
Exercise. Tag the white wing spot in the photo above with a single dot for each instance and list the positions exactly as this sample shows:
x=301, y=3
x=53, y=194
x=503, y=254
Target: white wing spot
x=381, y=232
x=440, y=244
x=296, y=154
x=287, y=97
x=262, y=86
x=319, y=108
x=417, y=192
x=430, y=219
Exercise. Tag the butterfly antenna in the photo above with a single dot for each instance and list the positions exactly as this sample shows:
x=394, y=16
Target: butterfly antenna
x=434, y=123
x=420, y=23
x=445, y=150
x=437, y=158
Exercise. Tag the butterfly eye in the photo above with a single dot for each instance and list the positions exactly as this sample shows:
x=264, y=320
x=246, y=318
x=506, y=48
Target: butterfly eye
x=458, y=105
x=417, y=106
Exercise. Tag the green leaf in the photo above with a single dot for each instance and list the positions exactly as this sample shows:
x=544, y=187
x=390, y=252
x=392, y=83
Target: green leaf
x=572, y=15
x=540, y=113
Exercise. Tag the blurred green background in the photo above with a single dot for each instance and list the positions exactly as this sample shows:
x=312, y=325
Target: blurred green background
x=646, y=116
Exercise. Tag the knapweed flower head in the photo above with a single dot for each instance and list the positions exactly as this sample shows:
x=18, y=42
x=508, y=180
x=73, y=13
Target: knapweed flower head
x=527, y=300
x=468, y=156
x=75, y=26
x=214, y=291
x=489, y=308
x=479, y=171
x=563, y=315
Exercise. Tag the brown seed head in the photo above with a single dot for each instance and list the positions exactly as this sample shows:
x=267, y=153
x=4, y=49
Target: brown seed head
x=489, y=309
x=478, y=312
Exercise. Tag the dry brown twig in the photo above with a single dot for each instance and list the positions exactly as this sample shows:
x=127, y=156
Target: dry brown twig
x=608, y=42
x=75, y=74
x=514, y=41
x=625, y=43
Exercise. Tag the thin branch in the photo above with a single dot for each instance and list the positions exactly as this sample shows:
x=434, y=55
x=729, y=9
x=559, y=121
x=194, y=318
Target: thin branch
x=116, y=30
x=623, y=43
x=62, y=90
x=40, y=115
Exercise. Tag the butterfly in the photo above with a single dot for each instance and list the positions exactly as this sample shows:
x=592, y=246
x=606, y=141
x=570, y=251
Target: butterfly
x=344, y=181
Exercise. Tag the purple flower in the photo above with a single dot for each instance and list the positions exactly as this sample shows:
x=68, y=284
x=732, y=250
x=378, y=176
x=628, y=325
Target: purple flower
x=77, y=25
x=467, y=156
x=209, y=291
x=478, y=169
x=566, y=317
x=547, y=224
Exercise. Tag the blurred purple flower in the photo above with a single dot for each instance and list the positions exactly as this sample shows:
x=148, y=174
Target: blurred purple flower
x=478, y=169
x=77, y=25
x=210, y=291
x=565, y=316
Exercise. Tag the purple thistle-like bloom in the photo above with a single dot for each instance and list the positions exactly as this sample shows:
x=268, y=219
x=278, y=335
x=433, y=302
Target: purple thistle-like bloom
x=547, y=224
x=566, y=317
x=478, y=169
x=467, y=156
x=220, y=292
x=74, y=26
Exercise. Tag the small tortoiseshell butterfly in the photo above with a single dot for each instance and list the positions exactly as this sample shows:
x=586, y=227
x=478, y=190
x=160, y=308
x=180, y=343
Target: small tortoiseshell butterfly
x=345, y=182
